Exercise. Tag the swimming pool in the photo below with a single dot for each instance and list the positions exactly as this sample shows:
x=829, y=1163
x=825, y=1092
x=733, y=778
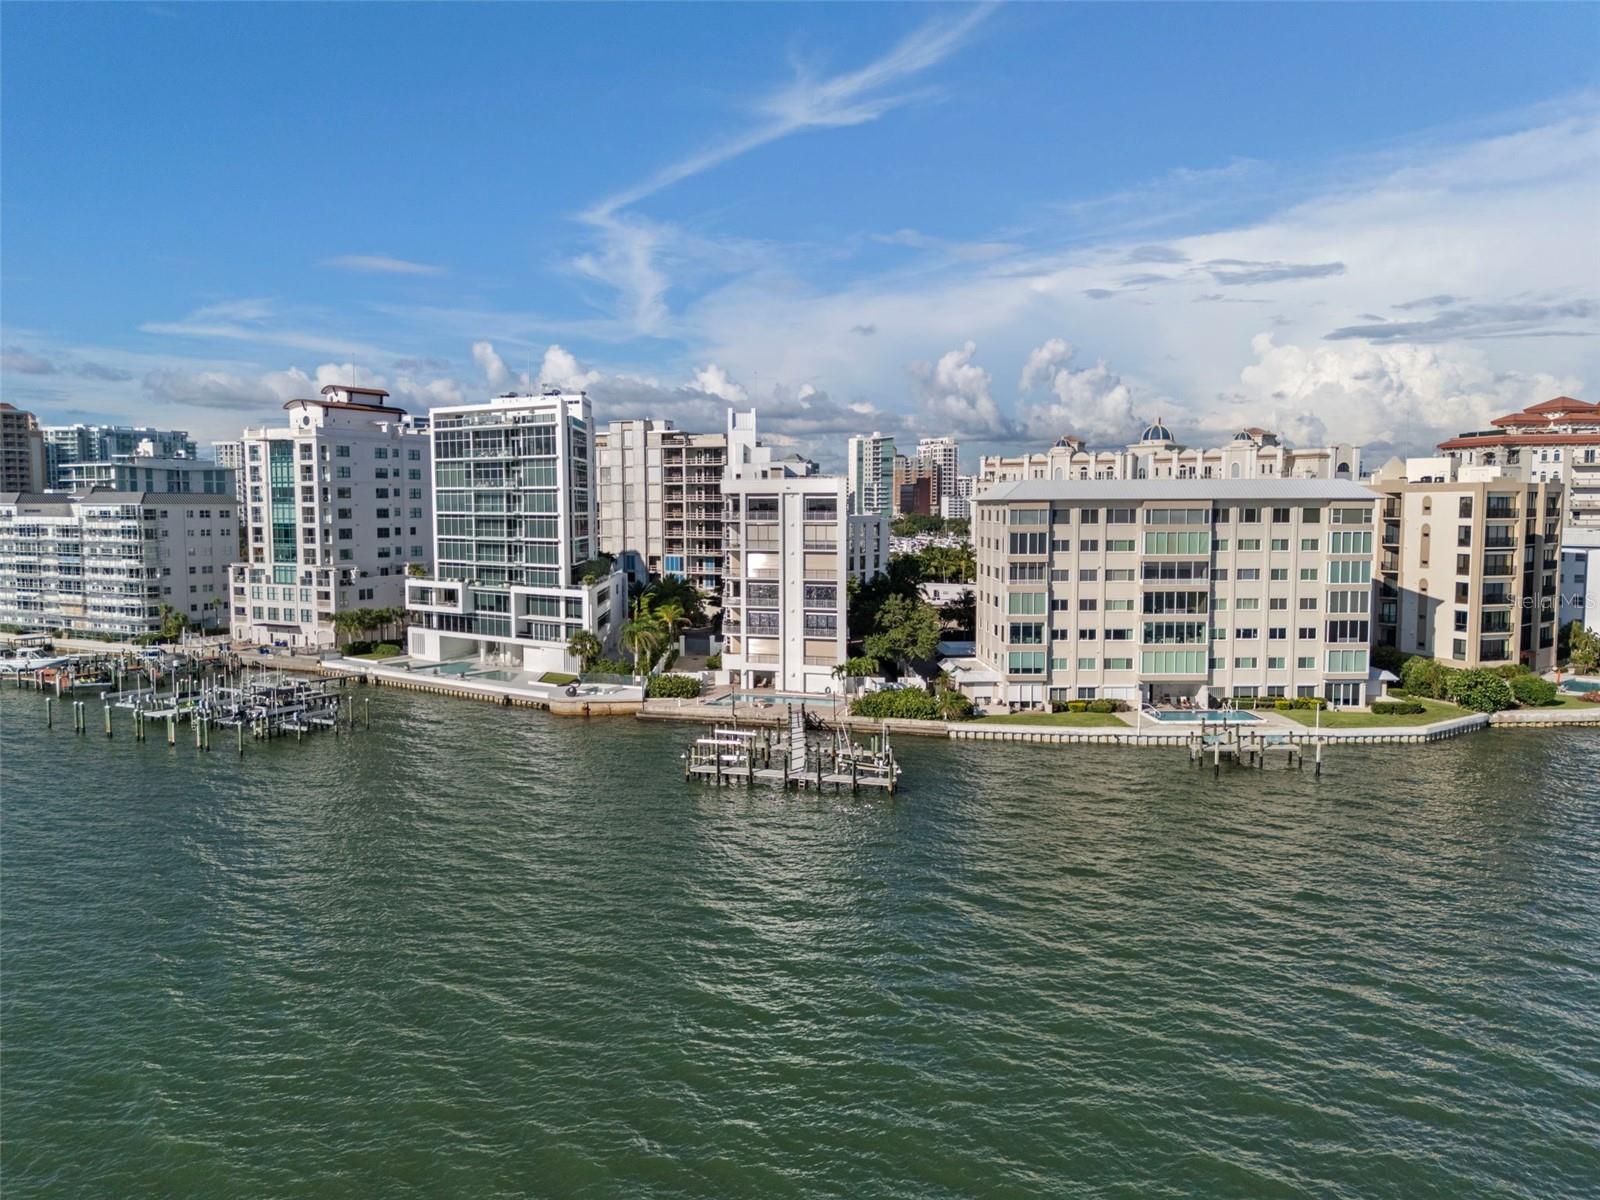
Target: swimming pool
x=1229, y=717
x=499, y=676
x=1581, y=685
x=770, y=697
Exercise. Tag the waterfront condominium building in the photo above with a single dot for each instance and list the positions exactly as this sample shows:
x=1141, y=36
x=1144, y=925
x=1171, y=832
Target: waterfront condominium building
x=916, y=487
x=105, y=562
x=870, y=475
x=22, y=454
x=792, y=546
x=101, y=443
x=337, y=507
x=515, y=541
x=1164, y=589
x=1250, y=454
x=1468, y=563
x=944, y=456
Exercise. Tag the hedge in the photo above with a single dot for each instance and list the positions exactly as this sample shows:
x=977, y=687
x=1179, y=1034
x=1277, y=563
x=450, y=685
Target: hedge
x=910, y=704
x=1396, y=708
x=672, y=687
x=1530, y=689
x=1481, y=691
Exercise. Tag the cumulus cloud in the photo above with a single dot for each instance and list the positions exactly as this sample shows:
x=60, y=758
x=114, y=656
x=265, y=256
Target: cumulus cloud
x=954, y=394
x=1410, y=395
x=714, y=381
x=561, y=369
x=1092, y=402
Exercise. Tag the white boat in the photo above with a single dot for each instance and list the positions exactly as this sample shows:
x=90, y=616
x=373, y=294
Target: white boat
x=14, y=662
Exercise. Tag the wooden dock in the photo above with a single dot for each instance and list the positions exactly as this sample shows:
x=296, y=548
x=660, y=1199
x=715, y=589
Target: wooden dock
x=805, y=753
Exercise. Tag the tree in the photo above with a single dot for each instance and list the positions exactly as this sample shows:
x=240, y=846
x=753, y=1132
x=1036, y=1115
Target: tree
x=643, y=637
x=673, y=590
x=1583, y=648
x=858, y=667
x=417, y=571
x=585, y=647
x=907, y=630
x=173, y=623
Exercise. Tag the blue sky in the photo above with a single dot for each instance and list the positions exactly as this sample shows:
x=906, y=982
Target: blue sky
x=1365, y=222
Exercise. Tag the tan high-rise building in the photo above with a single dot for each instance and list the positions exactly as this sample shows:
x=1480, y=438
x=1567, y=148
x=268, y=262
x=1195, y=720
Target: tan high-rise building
x=22, y=454
x=1468, y=563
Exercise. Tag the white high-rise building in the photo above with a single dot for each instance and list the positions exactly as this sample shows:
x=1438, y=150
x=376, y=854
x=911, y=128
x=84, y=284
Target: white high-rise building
x=959, y=506
x=135, y=473
x=338, y=507
x=870, y=475
x=65, y=444
x=516, y=543
x=792, y=546
x=944, y=455
x=231, y=455
x=104, y=562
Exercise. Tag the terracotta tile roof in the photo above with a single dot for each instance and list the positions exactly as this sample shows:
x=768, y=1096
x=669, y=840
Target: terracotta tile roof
x=1522, y=439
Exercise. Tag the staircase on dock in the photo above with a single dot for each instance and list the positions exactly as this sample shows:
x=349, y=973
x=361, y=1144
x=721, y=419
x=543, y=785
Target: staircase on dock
x=797, y=740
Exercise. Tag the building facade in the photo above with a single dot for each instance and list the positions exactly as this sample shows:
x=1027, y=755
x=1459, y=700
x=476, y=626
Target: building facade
x=231, y=455
x=1468, y=563
x=66, y=444
x=22, y=451
x=870, y=475
x=1557, y=441
x=337, y=507
x=943, y=455
x=1251, y=454
x=105, y=562
x=515, y=541
x=792, y=545
x=131, y=473
x=1161, y=590
x=959, y=506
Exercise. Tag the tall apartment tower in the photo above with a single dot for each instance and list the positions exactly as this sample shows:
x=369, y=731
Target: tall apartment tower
x=1468, y=563
x=944, y=455
x=22, y=451
x=100, y=443
x=792, y=546
x=870, y=478
x=1171, y=589
x=230, y=454
x=516, y=541
x=338, y=507
x=104, y=562
x=660, y=500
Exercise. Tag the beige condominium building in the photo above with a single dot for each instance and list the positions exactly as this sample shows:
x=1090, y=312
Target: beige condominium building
x=22, y=451
x=660, y=496
x=1468, y=563
x=1171, y=589
x=1250, y=454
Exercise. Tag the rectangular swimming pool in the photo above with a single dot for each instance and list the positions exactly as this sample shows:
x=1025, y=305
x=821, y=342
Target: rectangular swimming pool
x=772, y=697
x=1230, y=717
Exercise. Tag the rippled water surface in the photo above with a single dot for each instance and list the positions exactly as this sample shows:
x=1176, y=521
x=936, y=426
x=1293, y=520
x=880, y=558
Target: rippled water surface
x=482, y=952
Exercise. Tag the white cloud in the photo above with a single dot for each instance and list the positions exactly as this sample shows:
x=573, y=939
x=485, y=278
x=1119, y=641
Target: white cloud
x=714, y=381
x=1092, y=402
x=381, y=264
x=560, y=368
x=955, y=394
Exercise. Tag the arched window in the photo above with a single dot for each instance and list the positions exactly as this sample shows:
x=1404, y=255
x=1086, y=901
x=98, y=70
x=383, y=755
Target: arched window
x=1427, y=540
x=1234, y=471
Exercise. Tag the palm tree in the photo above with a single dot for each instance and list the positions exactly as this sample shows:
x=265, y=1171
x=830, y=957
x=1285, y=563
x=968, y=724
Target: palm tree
x=585, y=646
x=643, y=637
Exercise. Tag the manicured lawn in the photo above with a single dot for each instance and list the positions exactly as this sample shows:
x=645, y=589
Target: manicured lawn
x=559, y=678
x=1438, y=710
x=1078, y=720
x=375, y=656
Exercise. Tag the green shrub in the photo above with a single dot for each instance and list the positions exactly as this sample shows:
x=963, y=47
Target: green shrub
x=384, y=650
x=1481, y=691
x=1107, y=706
x=1311, y=702
x=1077, y=706
x=1530, y=689
x=1390, y=658
x=1282, y=703
x=1427, y=677
x=906, y=704
x=610, y=666
x=672, y=686
x=1511, y=670
x=1395, y=708
x=714, y=663
x=353, y=649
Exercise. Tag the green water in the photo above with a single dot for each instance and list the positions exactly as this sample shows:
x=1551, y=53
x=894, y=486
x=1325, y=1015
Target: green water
x=481, y=952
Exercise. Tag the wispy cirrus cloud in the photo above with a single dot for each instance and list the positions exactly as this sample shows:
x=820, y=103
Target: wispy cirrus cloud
x=380, y=264
x=630, y=246
x=251, y=321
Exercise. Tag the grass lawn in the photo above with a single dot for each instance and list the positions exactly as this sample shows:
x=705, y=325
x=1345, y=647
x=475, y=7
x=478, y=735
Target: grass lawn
x=375, y=656
x=1078, y=720
x=559, y=678
x=1438, y=710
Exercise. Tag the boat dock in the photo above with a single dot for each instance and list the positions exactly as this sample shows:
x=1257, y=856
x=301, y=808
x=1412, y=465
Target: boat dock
x=803, y=753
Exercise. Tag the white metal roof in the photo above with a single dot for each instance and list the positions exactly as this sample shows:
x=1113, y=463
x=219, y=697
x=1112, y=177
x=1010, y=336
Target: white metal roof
x=1137, y=491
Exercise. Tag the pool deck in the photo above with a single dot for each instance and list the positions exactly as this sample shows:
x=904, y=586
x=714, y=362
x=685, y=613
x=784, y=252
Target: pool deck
x=592, y=700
